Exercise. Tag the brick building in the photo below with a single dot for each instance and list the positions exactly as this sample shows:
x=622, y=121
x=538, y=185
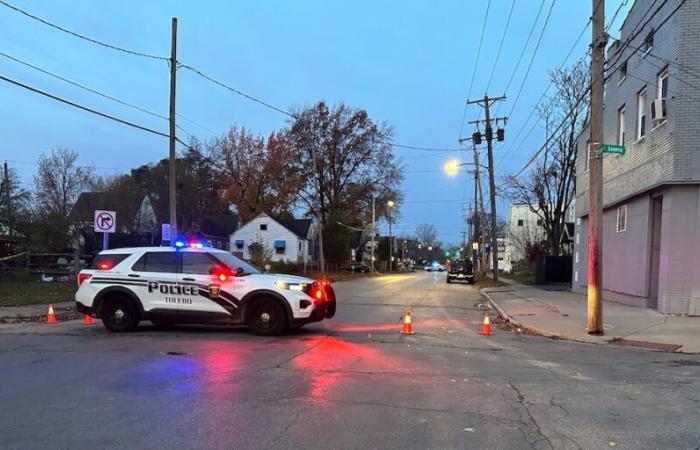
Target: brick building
x=651, y=194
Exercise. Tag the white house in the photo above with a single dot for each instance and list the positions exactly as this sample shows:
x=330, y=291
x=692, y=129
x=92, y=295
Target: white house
x=289, y=239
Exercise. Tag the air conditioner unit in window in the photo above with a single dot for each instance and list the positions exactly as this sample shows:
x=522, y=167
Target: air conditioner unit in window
x=658, y=109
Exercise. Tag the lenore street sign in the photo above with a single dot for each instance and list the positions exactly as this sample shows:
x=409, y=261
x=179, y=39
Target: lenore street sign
x=615, y=149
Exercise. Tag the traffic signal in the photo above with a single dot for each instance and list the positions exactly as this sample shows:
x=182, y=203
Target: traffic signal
x=500, y=134
x=447, y=253
x=489, y=133
x=476, y=138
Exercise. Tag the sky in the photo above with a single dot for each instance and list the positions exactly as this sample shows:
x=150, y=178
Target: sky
x=408, y=63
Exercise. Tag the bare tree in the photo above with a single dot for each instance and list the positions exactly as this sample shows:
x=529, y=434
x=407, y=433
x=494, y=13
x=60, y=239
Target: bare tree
x=548, y=188
x=59, y=181
x=426, y=234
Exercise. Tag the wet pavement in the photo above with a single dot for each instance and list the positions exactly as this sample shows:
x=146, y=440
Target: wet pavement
x=351, y=382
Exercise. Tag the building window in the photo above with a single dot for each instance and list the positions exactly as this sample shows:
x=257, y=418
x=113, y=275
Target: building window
x=239, y=244
x=662, y=84
x=521, y=222
x=623, y=72
x=299, y=246
x=621, y=125
x=648, y=42
x=263, y=227
x=279, y=247
x=641, y=113
x=539, y=222
x=621, y=218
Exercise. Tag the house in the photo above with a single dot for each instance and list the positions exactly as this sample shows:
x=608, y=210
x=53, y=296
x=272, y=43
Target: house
x=215, y=229
x=137, y=224
x=134, y=212
x=286, y=239
x=651, y=193
x=524, y=229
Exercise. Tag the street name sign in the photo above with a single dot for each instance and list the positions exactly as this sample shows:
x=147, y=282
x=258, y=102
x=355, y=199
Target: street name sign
x=614, y=149
x=105, y=221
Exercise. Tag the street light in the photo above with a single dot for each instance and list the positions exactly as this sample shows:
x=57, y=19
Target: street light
x=390, y=204
x=452, y=166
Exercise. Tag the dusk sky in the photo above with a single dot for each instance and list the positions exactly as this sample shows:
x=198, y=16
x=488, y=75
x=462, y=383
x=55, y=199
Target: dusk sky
x=406, y=63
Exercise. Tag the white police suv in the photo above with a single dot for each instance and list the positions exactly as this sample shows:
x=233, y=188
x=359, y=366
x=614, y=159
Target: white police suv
x=192, y=284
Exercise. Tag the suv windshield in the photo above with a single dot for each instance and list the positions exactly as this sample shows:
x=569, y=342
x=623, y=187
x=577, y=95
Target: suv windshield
x=234, y=263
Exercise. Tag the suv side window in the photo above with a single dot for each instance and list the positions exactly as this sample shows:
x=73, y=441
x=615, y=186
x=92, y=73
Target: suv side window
x=157, y=262
x=197, y=263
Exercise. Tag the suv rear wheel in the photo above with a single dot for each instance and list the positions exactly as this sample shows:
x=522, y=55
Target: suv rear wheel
x=267, y=317
x=119, y=314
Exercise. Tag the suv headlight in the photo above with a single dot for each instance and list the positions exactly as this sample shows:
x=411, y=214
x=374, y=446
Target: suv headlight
x=290, y=286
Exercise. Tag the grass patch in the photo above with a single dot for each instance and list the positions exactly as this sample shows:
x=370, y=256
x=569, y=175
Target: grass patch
x=523, y=276
x=17, y=293
x=483, y=281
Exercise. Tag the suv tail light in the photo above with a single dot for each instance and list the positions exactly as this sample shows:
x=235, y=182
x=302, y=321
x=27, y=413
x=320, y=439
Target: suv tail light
x=82, y=277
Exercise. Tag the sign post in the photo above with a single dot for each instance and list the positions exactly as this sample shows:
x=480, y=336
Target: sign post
x=105, y=223
x=165, y=232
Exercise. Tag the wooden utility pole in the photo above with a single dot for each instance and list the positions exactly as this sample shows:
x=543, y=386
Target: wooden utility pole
x=172, y=186
x=486, y=104
x=8, y=207
x=595, y=172
x=319, y=215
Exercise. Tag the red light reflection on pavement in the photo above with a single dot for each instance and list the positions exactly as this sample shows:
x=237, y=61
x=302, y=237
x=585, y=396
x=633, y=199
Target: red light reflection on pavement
x=329, y=360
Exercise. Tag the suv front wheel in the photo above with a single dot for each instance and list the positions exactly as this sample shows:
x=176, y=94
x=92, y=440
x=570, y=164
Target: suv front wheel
x=119, y=314
x=267, y=317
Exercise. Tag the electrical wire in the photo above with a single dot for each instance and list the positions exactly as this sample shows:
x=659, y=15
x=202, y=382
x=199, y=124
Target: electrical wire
x=84, y=108
x=93, y=91
x=500, y=46
x=532, y=58
x=81, y=36
x=476, y=64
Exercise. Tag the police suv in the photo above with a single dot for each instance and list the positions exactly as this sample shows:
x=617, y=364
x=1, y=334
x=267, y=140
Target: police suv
x=193, y=284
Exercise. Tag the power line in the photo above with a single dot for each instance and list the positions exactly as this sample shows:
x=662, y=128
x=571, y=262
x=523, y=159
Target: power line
x=81, y=36
x=84, y=108
x=476, y=64
x=198, y=72
x=93, y=91
x=500, y=46
x=532, y=59
x=522, y=52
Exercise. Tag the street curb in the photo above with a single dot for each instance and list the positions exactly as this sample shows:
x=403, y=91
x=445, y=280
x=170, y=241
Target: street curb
x=502, y=312
x=62, y=314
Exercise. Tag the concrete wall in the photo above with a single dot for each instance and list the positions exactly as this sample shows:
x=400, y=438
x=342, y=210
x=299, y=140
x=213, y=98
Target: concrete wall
x=627, y=255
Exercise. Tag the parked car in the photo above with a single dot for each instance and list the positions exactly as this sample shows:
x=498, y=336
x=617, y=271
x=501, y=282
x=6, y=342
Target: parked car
x=461, y=270
x=428, y=268
x=358, y=268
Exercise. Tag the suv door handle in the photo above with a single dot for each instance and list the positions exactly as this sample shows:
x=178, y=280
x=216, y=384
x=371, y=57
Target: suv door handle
x=188, y=279
x=134, y=275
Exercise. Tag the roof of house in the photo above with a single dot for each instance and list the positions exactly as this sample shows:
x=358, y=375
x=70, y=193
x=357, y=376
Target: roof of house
x=219, y=225
x=568, y=234
x=125, y=205
x=300, y=227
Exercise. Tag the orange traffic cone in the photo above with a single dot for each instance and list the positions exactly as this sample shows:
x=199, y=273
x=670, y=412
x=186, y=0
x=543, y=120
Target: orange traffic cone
x=88, y=320
x=51, y=316
x=486, y=326
x=407, y=328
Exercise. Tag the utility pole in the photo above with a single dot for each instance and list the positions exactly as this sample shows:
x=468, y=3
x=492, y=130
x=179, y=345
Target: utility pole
x=477, y=194
x=391, y=243
x=8, y=207
x=319, y=216
x=172, y=186
x=595, y=174
x=486, y=104
x=373, y=233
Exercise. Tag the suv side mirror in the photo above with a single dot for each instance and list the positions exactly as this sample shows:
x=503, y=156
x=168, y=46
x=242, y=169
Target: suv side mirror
x=239, y=272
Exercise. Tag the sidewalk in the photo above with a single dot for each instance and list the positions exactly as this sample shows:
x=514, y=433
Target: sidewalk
x=557, y=312
x=37, y=313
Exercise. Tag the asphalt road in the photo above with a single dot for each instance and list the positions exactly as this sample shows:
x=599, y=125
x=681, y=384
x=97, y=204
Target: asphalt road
x=352, y=382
